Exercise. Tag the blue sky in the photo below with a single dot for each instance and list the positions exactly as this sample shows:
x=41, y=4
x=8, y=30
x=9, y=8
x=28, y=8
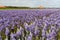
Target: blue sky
x=31, y=3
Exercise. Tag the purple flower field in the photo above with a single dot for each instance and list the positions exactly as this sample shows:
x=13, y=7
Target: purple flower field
x=30, y=24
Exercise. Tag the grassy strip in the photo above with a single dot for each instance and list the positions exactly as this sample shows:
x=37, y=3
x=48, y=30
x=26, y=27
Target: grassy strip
x=16, y=8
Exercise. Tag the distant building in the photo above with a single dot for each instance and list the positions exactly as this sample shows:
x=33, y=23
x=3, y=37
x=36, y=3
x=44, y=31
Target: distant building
x=41, y=6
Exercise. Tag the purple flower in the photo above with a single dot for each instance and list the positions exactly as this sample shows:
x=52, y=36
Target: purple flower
x=36, y=32
x=2, y=27
x=52, y=35
x=29, y=36
x=43, y=33
x=38, y=22
x=48, y=36
x=7, y=31
x=32, y=27
x=26, y=26
x=12, y=36
x=20, y=31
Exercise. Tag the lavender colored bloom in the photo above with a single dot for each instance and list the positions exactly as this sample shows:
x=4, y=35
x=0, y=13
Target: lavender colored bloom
x=43, y=33
x=7, y=31
x=52, y=34
x=58, y=23
x=53, y=28
x=36, y=20
x=32, y=27
x=26, y=26
x=2, y=27
x=20, y=31
x=12, y=36
x=36, y=32
x=29, y=36
x=1, y=20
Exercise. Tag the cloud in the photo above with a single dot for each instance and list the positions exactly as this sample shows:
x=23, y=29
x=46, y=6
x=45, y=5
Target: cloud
x=31, y=3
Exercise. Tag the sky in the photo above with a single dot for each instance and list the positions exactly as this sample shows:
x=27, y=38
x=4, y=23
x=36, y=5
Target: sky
x=31, y=3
